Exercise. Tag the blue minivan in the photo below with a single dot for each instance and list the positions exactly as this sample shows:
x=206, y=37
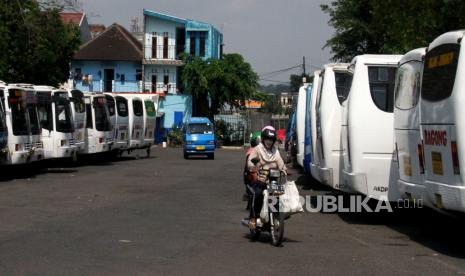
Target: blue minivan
x=199, y=138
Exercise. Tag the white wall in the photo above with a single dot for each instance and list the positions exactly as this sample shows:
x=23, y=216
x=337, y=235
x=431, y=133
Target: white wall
x=160, y=27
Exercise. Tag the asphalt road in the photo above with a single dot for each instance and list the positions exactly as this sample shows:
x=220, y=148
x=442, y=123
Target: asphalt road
x=170, y=216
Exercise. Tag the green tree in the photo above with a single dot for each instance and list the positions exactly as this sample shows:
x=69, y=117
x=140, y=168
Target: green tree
x=296, y=81
x=273, y=105
x=389, y=26
x=216, y=83
x=36, y=46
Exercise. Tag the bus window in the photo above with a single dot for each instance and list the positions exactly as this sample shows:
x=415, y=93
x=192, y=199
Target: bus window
x=33, y=119
x=44, y=109
x=102, y=122
x=122, y=106
x=63, y=116
x=138, y=109
x=89, y=122
x=340, y=86
x=111, y=105
x=439, y=72
x=150, y=108
x=320, y=90
x=78, y=99
x=407, y=89
x=18, y=112
x=382, y=81
x=347, y=86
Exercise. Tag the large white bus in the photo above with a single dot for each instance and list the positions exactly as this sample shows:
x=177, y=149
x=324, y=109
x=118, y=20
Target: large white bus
x=407, y=126
x=333, y=92
x=315, y=160
x=367, y=130
x=119, y=117
x=56, y=121
x=300, y=124
x=442, y=125
x=78, y=111
x=99, y=136
x=24, y=144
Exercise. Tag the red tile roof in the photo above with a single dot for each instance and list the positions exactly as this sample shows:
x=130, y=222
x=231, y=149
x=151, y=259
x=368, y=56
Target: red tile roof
x=72, y=17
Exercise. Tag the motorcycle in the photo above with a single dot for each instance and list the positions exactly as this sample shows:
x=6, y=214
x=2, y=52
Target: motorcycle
x=275, y=180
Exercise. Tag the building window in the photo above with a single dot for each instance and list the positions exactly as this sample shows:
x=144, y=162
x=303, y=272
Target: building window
x=154, y=45
x=154, y=83
x=165, y=45
x=202, y=44
x=138, y=74
x=192, y=44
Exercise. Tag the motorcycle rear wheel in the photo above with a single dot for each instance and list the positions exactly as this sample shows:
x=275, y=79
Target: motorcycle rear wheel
x=277, y=228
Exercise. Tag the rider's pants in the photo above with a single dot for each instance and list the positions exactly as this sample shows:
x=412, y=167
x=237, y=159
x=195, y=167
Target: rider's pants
x=256, y=188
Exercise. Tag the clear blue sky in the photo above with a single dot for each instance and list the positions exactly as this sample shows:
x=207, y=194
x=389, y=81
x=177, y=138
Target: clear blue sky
x=270, y=34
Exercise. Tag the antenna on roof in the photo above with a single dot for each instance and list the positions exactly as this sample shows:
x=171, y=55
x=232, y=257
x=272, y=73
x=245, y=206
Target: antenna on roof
x=135, y=26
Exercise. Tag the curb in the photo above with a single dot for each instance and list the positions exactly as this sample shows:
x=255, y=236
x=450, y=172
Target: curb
x=232, y=148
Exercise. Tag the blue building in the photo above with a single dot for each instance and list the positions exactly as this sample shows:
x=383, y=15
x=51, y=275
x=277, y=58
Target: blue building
x=111, y=62
x=165, y=39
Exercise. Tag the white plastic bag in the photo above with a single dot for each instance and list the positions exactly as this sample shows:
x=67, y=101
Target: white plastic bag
x=264, y=212
x=290, y=201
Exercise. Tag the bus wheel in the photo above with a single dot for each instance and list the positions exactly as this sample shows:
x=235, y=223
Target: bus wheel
x=211, y=156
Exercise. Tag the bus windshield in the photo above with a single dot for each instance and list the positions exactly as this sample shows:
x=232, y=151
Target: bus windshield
x=111, y=105
x=63, y=117
x=150, y=108
x=2, y=116
x=33, y=119
x=138, y=109
x=341, y=78
x=45, y=110
x=78, y=99
x=102, y=120
x=18, y=112
x=408, y=85
x=122, y=106
x=439, y=72
x=200, y=128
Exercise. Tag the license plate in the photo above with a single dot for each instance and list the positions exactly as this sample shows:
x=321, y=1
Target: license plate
x=407, y=166
x=200, y=148
x=437, y=163
x=277, y=188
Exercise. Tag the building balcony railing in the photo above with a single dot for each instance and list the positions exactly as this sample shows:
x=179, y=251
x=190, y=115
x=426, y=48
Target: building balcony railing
x=169, y=88
x=163, y=52
x=108, y=86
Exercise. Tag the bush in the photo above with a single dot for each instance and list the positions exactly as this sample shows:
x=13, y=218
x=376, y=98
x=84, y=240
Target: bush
x=175, y=137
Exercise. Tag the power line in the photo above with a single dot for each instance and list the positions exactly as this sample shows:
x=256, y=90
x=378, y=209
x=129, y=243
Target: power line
x=284, y=82
x=282, y=70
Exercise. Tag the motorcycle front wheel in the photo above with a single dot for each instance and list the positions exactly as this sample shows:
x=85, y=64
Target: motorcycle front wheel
x=277, y=228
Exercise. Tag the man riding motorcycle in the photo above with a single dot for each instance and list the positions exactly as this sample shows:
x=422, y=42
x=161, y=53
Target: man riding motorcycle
x=269, y=158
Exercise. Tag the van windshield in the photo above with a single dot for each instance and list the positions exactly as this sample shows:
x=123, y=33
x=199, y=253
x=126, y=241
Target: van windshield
x=63, y=116
x=200, y=128
x=439, y=72
x=18, y=112
x=102, y=121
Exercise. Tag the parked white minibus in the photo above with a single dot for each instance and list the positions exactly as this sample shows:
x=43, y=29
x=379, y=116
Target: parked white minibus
x=367, y=130
x=78, y=111
x=24, y=144
x=315, y=159
x=56, y=121
x=407, y=126
x=119, y=117
x=150, y=119
x=99, y=131
x=136, y=121
x=333, y=93
x=442, y=120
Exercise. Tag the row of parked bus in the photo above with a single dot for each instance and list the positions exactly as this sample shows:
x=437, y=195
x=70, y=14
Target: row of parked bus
x=43, y=122
x=389, y=126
